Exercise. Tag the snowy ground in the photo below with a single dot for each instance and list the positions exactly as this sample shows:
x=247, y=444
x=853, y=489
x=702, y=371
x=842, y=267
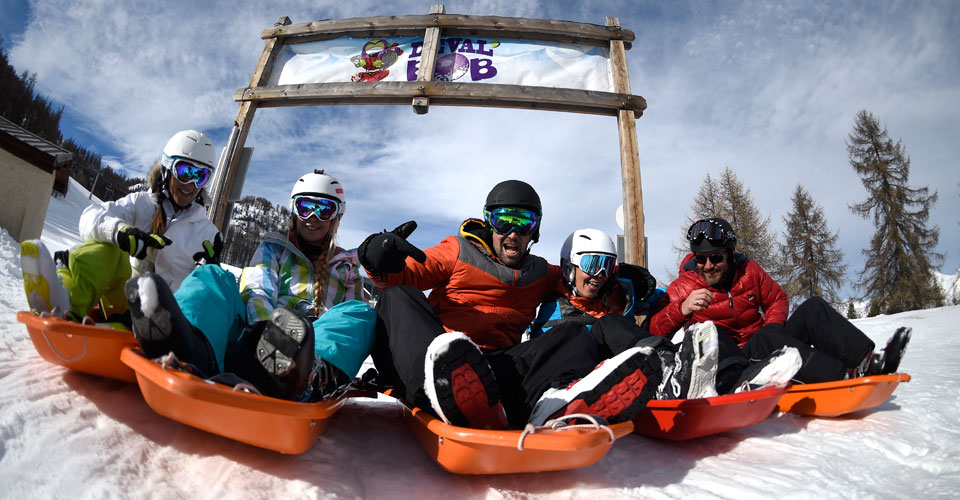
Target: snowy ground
x=68, y=435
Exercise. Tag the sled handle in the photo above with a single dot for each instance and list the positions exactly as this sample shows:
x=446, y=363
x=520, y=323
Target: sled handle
x=561, y=424
x=83, y=352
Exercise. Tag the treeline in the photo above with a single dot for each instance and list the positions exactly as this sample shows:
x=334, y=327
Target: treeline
x=251, y=218
x=20, y=104
x=801, y=254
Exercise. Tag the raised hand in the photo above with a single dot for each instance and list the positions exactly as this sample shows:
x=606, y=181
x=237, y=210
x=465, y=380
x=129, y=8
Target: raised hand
x=387, y=252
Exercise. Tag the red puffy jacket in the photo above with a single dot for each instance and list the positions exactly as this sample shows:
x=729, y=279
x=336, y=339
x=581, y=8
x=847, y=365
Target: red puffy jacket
x=754, y=299
x=473, y=292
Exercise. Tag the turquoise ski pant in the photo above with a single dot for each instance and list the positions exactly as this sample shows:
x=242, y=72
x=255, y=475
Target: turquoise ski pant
x=210, y=300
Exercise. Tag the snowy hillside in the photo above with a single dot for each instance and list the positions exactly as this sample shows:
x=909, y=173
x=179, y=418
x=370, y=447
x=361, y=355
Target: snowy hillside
x=68, y=435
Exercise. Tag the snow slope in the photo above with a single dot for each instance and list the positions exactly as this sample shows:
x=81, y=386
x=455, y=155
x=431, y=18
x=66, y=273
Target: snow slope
x=68, y=435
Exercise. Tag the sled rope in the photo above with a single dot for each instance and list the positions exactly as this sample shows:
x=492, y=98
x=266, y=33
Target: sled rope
x=245, y=387
x=562, y=424
x=83, y=352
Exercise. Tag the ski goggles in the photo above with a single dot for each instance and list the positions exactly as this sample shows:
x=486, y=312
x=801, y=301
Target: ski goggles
x=711, y=230
x=595, y=263
x=324, y=208
x=714, y=259
x=187, y=172
x=506, y=220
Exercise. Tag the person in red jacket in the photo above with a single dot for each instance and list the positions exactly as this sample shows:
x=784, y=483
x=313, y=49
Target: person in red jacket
x=459, y=351
x=750, y=311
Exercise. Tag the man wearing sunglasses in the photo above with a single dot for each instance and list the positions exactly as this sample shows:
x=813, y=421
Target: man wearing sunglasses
x=750, y=311
x=485, y=287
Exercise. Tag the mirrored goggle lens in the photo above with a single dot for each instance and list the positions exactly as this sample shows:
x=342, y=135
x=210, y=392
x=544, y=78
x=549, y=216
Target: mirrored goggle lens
x=324, y=208
x=592, y=264
x=706, y=229
x=188, y=172
x=506, y=220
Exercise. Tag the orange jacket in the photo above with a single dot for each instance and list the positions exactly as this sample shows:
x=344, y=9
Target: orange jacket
x=737, y=309
x=473, y=292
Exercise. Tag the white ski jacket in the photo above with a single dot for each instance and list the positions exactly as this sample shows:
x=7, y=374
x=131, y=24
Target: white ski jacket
x=187, y=229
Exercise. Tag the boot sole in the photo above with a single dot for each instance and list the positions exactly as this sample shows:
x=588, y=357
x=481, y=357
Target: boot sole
x=154, y=328
x=619, y=396
x=465, y=391
x=39, y=272
x=896, y=347
x=284, y=333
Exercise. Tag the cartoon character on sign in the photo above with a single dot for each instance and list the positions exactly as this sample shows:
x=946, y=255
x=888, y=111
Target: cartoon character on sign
x=377, y=56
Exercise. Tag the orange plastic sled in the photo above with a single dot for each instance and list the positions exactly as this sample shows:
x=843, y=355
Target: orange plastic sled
x=830, y=399
x=462, y=450
x=275, y=424
x=85, y=348
x=679, y=419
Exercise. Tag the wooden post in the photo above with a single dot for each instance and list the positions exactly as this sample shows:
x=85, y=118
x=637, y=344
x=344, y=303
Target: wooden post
x=244, y=118
x=428, y=60
x=629, y=156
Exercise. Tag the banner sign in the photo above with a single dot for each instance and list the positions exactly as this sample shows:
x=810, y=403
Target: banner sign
x=459, y=59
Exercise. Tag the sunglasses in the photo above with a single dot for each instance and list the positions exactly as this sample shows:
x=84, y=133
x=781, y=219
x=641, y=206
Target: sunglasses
x=187, y=172
x=506, y=220
x=324, y=208
x=595, y=263
x=714, y=259
x=710, y=230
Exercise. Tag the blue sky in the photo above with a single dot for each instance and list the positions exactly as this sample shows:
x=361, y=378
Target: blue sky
x=769, y=89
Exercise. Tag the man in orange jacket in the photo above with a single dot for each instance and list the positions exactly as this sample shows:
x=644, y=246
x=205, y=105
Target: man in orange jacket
x=459, y=350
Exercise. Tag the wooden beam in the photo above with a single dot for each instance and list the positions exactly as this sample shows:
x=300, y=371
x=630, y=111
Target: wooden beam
x=454, y=25
x=444, y=94
x=633, y=229
x=244, y=118
x=428, y=61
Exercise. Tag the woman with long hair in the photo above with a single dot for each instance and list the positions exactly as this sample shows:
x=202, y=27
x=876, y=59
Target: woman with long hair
x=159, y=231
x=298, y=327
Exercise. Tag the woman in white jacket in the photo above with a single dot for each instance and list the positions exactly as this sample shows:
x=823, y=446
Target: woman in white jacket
x=164, y=231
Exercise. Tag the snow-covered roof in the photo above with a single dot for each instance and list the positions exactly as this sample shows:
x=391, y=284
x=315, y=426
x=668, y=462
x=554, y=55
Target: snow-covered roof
x=31, y=147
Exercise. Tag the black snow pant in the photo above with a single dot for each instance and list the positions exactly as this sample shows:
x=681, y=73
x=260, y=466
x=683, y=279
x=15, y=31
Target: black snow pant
x=829, y=344
x=407, y=324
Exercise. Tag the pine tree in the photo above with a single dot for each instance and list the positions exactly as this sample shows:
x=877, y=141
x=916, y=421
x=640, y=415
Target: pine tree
x=812, y=266
x=851, y=311
x=729, y=199
x=897, y=275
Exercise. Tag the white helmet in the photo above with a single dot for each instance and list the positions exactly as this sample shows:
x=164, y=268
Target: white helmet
x=583, y=241
x=191, y=145
x=319, y=184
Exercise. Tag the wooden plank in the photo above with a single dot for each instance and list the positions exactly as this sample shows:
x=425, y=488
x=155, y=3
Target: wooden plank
x=633, y=229
x=442, y=93
x=454, y=25
x=428, y=60
x=244, y=119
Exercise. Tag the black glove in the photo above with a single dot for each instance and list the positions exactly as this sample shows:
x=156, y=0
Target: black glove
x=643, y=282
x=210, y=253
x=386, y=252
x=135, y=242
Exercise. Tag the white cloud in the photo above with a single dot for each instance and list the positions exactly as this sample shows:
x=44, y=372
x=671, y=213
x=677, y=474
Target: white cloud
x=769, y=89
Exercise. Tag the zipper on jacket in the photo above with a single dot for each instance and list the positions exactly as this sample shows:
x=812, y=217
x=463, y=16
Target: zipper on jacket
x=730, y=296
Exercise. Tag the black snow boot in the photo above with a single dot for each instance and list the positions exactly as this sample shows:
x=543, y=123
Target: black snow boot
x=160, y=326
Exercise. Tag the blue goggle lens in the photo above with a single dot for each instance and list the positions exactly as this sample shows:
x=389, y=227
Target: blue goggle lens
x=595, y=263
x=323, y=208
x=187, y=172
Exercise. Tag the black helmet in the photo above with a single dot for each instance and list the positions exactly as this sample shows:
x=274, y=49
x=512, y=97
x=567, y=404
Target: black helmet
x=513, y=193
x=711, y=234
